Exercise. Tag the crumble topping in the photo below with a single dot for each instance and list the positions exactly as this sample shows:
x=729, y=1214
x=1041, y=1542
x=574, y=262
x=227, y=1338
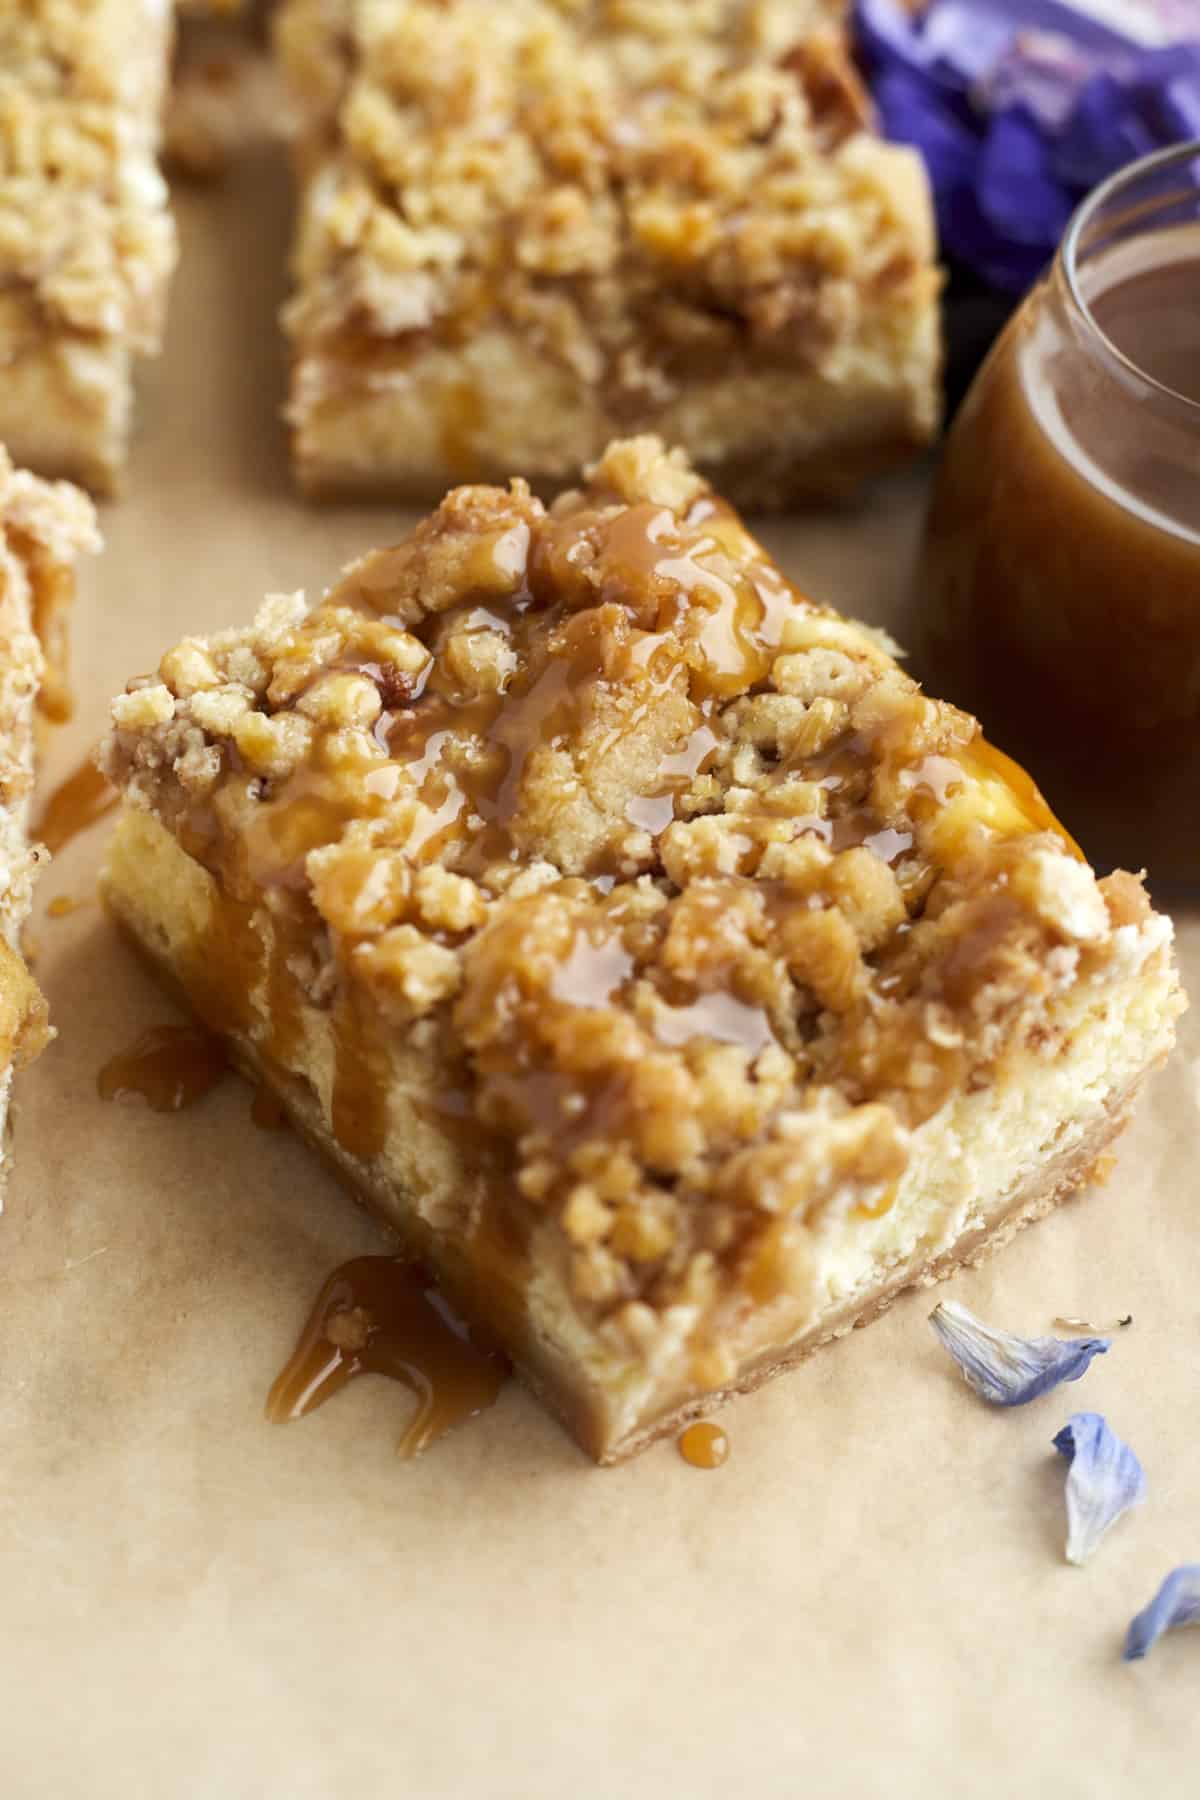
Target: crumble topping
x=84, y=231
x=103, y=50
x=696, y=902
x=640, y=187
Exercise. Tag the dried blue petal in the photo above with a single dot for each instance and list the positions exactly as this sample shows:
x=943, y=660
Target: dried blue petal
x=961, y=39
x=1104, y=1480
x=1177, y=1602
x=887, y=33
x=1018, y=195
x=1005, y=1369
x=1018, y=111
x=1175, y=91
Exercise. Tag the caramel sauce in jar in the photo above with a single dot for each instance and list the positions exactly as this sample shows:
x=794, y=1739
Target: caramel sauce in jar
x=704, y=1445
x=169, y=1067
x=1059, y=591
x=372, y=1317
x=82, y=799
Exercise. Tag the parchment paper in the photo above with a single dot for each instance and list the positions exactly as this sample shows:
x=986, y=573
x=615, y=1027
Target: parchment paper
x=869, y=1598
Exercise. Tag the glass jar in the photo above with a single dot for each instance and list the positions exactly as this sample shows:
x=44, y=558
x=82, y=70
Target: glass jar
x=1058, y=594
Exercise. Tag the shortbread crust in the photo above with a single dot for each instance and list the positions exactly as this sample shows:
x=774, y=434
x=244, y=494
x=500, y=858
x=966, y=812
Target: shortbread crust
x=674, y=977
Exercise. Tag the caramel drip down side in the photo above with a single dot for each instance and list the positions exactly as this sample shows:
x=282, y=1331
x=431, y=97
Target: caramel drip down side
x=359, y=1107
x=52, y=583
x=282, y=1000
x=82, y=799
x=241, y=987
x=372, y=1318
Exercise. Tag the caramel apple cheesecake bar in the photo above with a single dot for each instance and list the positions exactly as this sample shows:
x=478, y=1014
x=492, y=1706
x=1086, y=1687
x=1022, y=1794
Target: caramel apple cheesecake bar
x=674, y=977
x=43, y=529
x=86, y=242
x=525, y=228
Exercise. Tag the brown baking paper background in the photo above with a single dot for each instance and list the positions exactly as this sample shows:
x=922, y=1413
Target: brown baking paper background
x=869, y=1598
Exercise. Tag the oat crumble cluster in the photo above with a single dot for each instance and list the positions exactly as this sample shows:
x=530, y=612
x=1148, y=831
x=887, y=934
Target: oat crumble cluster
x=86, y=243
x=650, y=194
x=691, y=895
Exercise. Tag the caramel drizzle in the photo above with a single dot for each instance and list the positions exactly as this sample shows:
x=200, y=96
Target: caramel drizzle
x=597, y=967
x=169, y=1067
x=53, y=591
x=730, y=623
x=359, y=1104
x=83, y=799
x=372, y=1318
x=734, y=623
x=719, y=1016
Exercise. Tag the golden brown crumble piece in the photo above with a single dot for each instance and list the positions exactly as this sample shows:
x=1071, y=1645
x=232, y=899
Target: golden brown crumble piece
x=635, y=931
x=524, y=228
x=86, y=243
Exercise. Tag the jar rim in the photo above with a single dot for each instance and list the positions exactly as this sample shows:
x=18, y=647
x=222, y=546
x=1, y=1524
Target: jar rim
x=1069, y=252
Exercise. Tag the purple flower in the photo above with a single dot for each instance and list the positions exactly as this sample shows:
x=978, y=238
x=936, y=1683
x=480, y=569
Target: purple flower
x=1104, y=1480
x=1007, y=1370
x=1177, y=1602
x=1017, y=191
x=1019, y=111
x=1100, y=134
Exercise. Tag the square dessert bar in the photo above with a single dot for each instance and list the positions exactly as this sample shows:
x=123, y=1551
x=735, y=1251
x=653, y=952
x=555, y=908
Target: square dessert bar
x=86, y=243
x=43, y=528
x=526, y=228
x=675, y=978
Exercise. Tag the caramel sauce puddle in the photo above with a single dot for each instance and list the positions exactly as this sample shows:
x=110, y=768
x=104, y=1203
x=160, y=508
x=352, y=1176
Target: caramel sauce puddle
x=704, y=1445
x=169, y=1067
x=373, y=1318
x=81, y=800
